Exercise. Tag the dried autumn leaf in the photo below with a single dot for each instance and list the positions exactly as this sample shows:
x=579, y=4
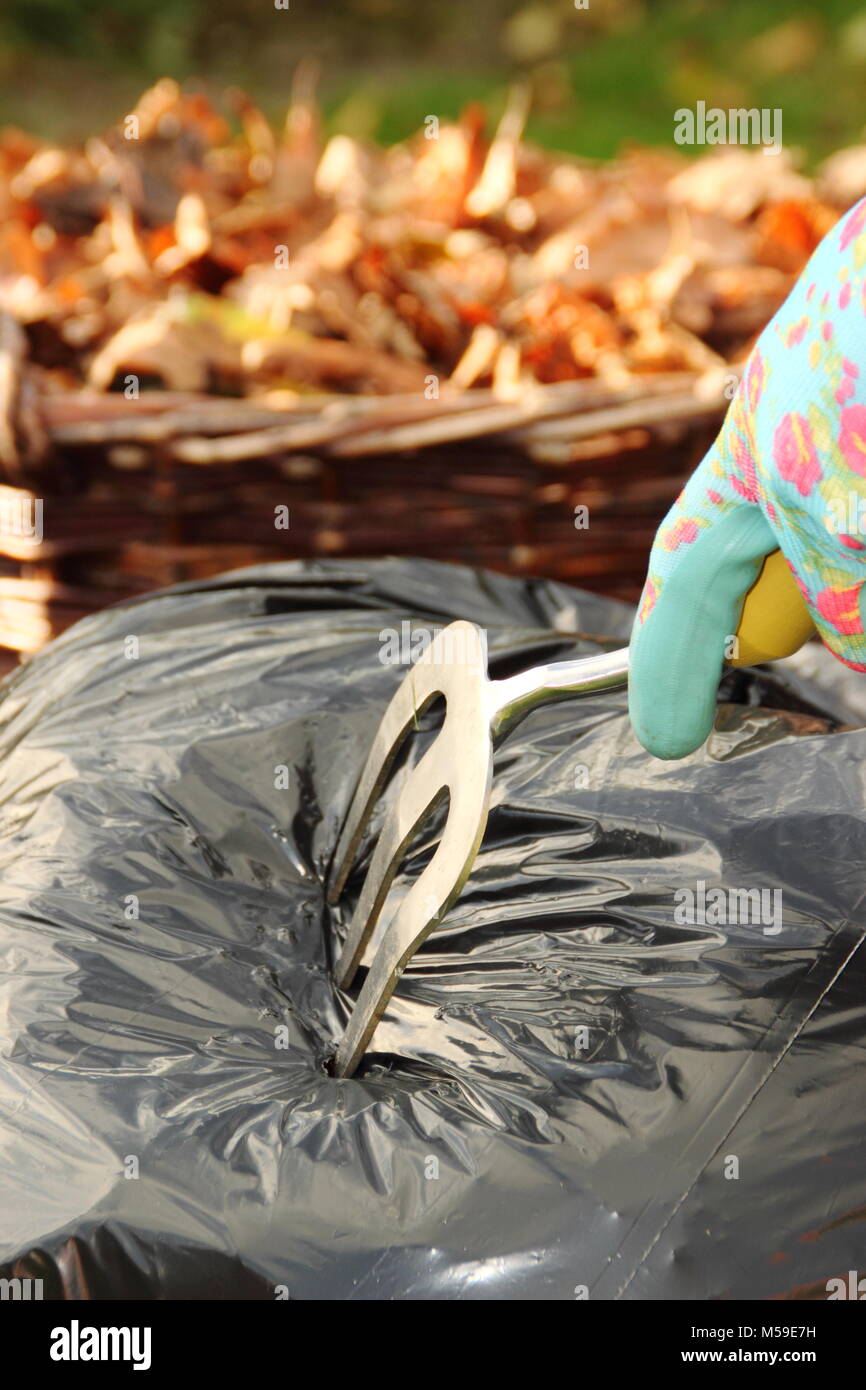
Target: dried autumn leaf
x=184, y=356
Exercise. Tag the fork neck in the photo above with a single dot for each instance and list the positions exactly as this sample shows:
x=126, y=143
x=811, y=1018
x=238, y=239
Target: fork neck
x=512, y=699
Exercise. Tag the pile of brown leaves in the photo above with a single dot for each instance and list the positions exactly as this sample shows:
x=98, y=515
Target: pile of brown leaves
x=245, y=262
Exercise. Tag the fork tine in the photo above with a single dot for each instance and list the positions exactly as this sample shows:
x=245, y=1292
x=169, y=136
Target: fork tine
x=416, y=801
x=396, y=722
x=421, y=910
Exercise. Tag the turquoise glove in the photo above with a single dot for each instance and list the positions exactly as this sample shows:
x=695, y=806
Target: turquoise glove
x=787, y=471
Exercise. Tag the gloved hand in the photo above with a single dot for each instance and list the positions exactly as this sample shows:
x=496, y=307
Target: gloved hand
x=788, y=471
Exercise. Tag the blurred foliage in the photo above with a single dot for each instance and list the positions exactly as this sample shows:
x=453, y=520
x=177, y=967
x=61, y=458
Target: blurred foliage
x=603, y=76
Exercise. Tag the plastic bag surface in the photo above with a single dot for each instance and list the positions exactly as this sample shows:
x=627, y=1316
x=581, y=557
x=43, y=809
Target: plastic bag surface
x=572, y=1093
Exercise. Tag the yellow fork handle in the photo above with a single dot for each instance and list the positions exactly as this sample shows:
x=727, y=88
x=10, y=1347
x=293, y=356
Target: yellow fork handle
x=775, y=621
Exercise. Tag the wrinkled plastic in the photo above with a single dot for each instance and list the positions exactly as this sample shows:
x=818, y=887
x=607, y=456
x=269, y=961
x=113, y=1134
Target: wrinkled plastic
x=569, y=1091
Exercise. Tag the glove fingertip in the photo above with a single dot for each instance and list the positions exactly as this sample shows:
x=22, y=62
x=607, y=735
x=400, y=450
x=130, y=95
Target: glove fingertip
x=667, y=727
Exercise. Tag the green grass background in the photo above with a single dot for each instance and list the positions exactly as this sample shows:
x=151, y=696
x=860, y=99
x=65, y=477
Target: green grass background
x=604, y=77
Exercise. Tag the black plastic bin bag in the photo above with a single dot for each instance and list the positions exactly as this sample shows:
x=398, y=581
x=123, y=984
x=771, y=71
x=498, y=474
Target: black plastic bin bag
x=571, y=1092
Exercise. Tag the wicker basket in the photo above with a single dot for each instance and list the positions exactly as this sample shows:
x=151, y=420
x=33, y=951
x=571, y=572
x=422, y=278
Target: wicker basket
x=134, y=495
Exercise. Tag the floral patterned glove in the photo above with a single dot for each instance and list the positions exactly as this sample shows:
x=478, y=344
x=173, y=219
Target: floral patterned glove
x=787, y=471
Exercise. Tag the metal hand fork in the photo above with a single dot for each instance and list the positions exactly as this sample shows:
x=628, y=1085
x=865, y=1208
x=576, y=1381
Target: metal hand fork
x=459, y=765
